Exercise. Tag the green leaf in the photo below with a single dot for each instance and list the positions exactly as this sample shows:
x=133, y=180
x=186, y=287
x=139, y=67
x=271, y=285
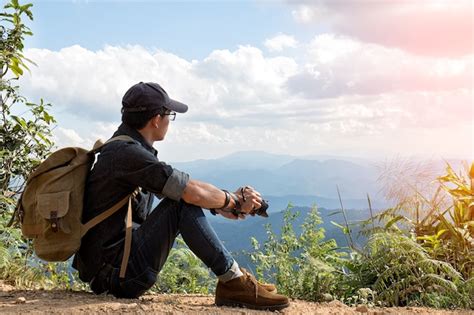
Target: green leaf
x=16, y=69
x=46, y=140
x=20, y=121
x=344, y=229
x=16, y=21
x=29, y=60
x=26, y=6
x=394, y=220
x=441, y=232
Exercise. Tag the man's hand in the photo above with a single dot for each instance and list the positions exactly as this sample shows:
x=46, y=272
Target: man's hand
x=249, y=199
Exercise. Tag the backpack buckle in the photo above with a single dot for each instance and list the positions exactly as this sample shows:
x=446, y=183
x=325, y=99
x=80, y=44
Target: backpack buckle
x=54, y=220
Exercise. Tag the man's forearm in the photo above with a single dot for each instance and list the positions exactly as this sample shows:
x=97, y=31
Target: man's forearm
x=205, y=195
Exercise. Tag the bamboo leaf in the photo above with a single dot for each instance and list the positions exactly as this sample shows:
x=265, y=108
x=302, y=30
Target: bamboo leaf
x=441, y=232
x=394, y=220
x=338, y=225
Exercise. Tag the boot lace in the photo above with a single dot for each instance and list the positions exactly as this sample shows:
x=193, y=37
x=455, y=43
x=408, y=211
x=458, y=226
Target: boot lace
x=253, y=280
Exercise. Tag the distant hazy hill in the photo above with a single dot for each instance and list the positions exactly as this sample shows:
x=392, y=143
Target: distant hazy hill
x=301, y=180
x=278, y=203
x=284, y=178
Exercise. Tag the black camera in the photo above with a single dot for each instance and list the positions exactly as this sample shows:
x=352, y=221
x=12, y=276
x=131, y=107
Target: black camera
x=262, y=211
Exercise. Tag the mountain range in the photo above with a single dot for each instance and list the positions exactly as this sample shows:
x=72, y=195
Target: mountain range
x=305, y=181
x=284, y=178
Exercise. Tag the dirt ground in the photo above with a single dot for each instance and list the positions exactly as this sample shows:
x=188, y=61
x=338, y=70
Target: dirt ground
x=13, y=301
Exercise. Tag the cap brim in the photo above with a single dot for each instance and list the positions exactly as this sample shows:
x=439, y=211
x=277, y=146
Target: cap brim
x=177, y=106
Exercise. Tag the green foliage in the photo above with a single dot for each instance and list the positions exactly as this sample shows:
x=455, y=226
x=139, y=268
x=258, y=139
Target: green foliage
x=25, y=132
x=422, y=253
x=302, y=266
x=20, y=267
x=25, y=127
x=393, y=269
x=183, y=272
x=442, y=223
x=449, y=233
x=12, y=32
x=400, y=272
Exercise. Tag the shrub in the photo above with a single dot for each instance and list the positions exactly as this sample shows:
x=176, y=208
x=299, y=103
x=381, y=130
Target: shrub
x=302, y=266
x=401, y=272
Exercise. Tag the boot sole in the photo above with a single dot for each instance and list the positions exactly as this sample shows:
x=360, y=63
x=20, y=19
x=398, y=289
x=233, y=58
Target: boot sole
x=222, y=302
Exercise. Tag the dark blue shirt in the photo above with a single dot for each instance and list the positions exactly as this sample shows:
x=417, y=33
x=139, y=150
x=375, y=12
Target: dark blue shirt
x=121, y=167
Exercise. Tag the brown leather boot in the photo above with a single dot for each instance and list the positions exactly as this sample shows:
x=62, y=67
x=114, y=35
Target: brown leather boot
x=267, y=286
x=247, y=292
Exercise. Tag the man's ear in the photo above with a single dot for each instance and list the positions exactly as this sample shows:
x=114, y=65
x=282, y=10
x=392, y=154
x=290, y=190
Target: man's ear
x=156, y=120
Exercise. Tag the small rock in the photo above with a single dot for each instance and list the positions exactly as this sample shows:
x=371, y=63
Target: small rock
x=115, y=307
x=327, y=297
x=132, y=305
x=20, y=300
x=362, y=309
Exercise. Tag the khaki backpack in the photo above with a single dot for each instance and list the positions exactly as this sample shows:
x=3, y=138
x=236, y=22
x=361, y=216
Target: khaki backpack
x=50, y=208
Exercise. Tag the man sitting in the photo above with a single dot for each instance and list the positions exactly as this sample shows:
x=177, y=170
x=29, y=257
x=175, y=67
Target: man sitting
x=121, y=167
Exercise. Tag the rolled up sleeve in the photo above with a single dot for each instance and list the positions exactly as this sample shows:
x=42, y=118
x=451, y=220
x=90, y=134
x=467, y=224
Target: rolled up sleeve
x=175, y=185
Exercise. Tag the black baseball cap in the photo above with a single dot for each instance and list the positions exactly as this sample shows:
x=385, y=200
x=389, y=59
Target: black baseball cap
x=143, y=97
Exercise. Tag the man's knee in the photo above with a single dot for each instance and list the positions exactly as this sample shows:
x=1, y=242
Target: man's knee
x=190, y=209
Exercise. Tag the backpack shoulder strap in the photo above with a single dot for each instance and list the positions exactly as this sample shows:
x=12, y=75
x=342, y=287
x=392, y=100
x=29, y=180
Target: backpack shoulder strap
x=99, y=144
x=128, y=227
x=107, y=213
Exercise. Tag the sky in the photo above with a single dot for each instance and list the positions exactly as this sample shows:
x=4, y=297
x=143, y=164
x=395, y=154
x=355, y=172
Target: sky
x=370, y=79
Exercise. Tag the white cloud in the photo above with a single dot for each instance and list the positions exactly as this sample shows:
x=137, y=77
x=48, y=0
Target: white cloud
x=91, y=84
x=305, y=14
x=339, y=65
x=280, y=42
x=64, y=137
x=434, y=28
x=244, y=78
x=342, y=93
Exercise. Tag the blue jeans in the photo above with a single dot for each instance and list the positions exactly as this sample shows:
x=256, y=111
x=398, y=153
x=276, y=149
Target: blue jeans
x=151, y=244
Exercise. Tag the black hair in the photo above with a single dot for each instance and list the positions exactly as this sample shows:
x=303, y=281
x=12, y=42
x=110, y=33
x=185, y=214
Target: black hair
x=138, y=120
